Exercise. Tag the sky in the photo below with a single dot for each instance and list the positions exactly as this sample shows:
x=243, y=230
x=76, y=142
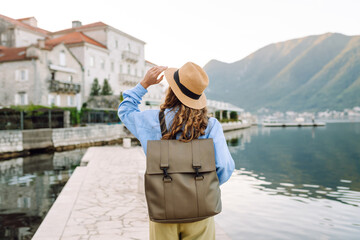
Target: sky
x=176, y=32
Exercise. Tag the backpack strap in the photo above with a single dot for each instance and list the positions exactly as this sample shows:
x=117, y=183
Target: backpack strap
x=162, y=123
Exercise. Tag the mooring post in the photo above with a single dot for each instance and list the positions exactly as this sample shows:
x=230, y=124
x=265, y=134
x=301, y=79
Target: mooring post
x=22, y=120
x=49, y=115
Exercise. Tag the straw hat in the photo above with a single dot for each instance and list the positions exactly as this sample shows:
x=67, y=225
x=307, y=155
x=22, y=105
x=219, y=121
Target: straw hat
x=188, y=84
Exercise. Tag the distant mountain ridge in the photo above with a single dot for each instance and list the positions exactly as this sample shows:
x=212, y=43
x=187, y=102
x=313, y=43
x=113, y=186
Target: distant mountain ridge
x=307, y=74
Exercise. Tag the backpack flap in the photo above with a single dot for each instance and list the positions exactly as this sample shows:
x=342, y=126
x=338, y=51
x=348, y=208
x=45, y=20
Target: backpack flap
x=180, y=157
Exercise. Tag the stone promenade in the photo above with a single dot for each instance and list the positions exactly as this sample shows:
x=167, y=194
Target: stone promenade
x=102, y=199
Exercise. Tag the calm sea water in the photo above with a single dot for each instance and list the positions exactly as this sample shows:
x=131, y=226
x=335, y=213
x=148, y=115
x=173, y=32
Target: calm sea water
x=28, y=188
x=294, y=183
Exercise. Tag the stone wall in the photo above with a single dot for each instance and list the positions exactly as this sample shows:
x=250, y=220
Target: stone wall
x=36, y=138
x=11, y=141
x=234, y=125
x=82, y=135
x=16, y=142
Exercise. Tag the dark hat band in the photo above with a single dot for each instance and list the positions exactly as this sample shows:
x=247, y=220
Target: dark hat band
x=184, y=89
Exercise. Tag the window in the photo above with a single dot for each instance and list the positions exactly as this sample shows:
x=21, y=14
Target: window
x=21, y=98
x=112, y=66
x=92, y=61
x=24, y=202
x=58, y=100
x=70, y=100
x=21, y=75
x=102, y=64
x=116, y=44
x=3, y=38
x=129, y=69
x=70, y=78
x=121, y=70
x=51, y=99
x=129, y=48
x=62, y=58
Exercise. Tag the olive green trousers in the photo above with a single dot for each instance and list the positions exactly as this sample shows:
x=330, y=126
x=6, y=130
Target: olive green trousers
x=200, y=230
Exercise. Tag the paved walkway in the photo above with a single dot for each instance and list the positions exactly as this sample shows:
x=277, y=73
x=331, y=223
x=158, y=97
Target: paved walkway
x=102, y=200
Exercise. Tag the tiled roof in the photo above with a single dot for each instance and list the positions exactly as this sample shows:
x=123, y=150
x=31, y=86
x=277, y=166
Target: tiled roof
x=24, y=25
x=71, y=38
x=96, y=24
x=21, y=19
x=92, y=25
x=13, y=54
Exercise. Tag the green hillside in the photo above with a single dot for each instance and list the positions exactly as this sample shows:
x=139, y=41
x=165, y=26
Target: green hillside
x=312, y=73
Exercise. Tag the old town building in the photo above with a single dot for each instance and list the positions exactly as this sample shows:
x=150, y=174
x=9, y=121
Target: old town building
x=40, y=74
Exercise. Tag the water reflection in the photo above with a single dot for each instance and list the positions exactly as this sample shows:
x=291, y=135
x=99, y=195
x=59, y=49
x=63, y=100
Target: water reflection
x=28, y=188
x=239, y=138
x=311, y=173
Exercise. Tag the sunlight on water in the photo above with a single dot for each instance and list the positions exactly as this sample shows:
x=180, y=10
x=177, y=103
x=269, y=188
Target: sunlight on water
x=257, y=209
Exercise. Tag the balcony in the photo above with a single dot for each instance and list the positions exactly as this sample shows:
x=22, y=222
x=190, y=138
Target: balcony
x=64, y=87
x=128, y=80
x=130, y=56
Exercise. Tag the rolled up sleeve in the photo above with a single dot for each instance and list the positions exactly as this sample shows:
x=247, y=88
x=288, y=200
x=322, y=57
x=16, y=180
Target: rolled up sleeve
x=128, y=110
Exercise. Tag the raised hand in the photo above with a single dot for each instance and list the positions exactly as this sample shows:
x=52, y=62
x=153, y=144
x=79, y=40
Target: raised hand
x=151, y=77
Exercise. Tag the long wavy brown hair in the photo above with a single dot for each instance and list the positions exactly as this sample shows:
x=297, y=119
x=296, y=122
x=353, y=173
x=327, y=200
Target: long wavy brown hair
x=191, y=122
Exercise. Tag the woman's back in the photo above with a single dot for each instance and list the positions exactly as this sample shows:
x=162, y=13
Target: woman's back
x=185, y=119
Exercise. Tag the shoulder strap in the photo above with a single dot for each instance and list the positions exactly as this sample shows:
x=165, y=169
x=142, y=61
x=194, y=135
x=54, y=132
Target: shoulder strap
x=162, y=123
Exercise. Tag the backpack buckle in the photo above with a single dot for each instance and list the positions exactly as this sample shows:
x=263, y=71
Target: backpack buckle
x=198, y=176
x=166, y=177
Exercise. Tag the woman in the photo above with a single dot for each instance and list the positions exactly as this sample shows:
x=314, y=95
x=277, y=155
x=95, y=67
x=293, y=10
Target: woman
x=186, y=119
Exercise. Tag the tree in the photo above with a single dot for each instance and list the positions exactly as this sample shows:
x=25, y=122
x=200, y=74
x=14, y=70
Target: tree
x=217, y=115
x=224, y=114
x=106, y=89
x=233, y=115
x=121, y=98
x=95, y=88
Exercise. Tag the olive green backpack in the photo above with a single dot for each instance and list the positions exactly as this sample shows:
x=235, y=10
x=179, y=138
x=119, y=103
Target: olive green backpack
x=181, y=184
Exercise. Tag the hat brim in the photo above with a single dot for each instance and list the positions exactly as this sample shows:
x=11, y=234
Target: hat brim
x=187, y=101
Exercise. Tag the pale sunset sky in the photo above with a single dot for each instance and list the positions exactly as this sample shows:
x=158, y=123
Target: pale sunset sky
x=198, y=30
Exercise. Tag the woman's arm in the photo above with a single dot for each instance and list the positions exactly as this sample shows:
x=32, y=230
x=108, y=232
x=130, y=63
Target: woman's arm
x=224, y=163
x=128, y=110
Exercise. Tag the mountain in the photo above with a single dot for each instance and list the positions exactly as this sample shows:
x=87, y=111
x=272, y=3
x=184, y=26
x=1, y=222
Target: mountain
x=307, y=74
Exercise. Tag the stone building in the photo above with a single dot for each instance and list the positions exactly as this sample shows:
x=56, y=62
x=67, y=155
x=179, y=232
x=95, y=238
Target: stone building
x=40, y=74
x=20, y=32
x=104, y=51
x=120, y=59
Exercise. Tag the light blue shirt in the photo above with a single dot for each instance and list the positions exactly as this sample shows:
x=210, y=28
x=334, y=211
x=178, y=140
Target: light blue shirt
x=145, y=126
